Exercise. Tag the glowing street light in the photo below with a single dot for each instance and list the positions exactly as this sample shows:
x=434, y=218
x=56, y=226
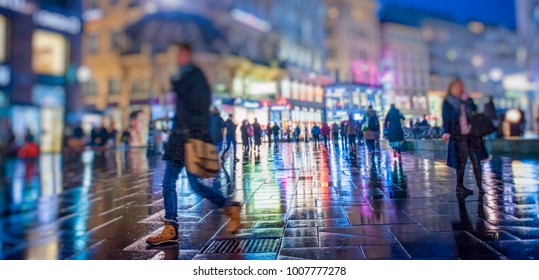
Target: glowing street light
x=496, y=74
x=478, y=61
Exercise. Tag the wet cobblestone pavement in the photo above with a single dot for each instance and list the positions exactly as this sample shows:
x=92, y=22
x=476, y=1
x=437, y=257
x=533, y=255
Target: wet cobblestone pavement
x=300, y=202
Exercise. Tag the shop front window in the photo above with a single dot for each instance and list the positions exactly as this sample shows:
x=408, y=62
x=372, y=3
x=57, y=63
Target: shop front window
x=90, y=88
x=49, y=53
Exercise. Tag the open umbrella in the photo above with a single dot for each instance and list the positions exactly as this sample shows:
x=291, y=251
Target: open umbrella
x=163, y=28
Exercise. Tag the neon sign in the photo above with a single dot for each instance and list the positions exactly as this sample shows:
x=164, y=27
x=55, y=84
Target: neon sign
x=251, y=104
x=280, y=108
x=56, y=21
x=14, y=5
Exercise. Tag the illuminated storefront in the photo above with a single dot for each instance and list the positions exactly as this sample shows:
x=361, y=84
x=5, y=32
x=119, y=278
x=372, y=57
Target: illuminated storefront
x=49, y=53
x=38, y=77
x=51, y=102
x=5, y=78
x=300, y=103
x=246, y=110
x=343, y=100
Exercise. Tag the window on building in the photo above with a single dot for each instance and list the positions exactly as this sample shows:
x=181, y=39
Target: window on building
x=139, y=86
x=49, y=53
x=115, y=40
x=92, y=43
x=90, y=88
x=114, y=86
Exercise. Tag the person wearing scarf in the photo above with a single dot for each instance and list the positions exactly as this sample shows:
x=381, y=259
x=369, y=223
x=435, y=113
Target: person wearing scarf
x=458, y=108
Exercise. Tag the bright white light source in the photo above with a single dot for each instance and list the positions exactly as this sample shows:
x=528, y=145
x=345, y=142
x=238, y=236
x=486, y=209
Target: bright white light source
x=496, y=74
x=513, y=116
x=250, y=20
x=84, y=74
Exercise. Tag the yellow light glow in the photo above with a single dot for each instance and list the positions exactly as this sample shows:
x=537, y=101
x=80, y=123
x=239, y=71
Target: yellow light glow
x=49, y=52
x=476, y=27
x=333, y=13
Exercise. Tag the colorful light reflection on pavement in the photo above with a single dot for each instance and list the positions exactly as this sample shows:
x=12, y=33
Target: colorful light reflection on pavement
x=315, y=202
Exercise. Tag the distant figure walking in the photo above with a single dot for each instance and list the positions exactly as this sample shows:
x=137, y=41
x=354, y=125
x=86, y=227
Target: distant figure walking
x=457, y=110
x=395, y=133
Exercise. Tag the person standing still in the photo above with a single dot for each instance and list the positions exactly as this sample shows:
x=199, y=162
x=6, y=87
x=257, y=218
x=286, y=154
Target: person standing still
x=217, y=126
x=326, y=130
x=230, y=127
x=245, y=135
x=276, y=129
x=490, y=113
x=395, y=133
x=373, y=131
x=344, y=135
x=457, y=110
x=335, y=133
x=315, y=131
x=269, y=133
x=257, y=130
x=352, y=132
x=297, y=133
x=192, y=114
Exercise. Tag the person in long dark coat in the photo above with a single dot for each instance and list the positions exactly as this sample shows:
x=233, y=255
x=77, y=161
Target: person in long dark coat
x=245, y=135
x=193, y=106
x=395, y=133
x=257, y=134
x=457, y=110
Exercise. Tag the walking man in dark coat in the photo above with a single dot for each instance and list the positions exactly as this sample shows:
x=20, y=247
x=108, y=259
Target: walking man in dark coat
x=192, y=105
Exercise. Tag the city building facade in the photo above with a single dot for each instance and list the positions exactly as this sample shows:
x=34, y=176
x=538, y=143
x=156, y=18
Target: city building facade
x=353, y=41
x=405, y=69
x=527, y=14
x=480, y=55
x=353, y=54
x=261, y=63
x=39, y=93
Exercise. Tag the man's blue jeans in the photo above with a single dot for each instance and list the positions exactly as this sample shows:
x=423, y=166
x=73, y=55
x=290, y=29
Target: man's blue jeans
x=230, y=141
x=170, y=195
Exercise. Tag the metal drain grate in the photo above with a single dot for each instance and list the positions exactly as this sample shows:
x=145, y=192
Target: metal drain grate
x=242, y=246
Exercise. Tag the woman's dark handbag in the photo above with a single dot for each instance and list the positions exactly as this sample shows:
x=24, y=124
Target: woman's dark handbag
x=481, y=126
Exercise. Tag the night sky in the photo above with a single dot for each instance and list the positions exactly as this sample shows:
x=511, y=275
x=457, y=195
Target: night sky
x=498, y=12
